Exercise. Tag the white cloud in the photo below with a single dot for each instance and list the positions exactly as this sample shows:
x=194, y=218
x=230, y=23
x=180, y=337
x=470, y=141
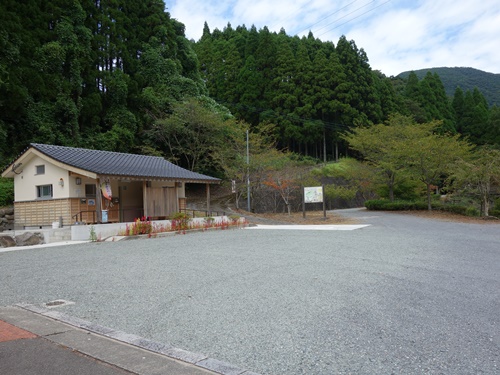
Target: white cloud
x=397, y=35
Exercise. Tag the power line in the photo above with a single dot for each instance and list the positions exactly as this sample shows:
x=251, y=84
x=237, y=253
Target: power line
x=336, y=27
x=345, y=15
x=330, y=125
x=289, y=15
x=328, y=16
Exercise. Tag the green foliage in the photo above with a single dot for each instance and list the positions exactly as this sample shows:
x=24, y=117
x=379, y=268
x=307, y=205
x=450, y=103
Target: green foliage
x=466, y=79
x=6, y=191
x=125, y=78
x=477, y=176
x=308, y=88
x=194, y=136
x=405, y=188
x=92, y=234
x=495, y=211
x=416, y=205
x=340, y=192
x=397, y=205
x=385, y=147
x=139, y=226
x=180, y=221
x=78, y=73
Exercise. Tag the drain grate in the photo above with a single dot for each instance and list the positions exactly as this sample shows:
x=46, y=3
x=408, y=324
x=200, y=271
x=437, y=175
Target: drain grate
x=58, y=303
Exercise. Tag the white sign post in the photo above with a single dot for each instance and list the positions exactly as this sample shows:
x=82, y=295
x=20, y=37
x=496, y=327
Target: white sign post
x=313, y=195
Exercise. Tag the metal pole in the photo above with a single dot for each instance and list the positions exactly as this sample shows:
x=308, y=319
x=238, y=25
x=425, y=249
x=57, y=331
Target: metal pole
x=324, y=201
x=248, y=174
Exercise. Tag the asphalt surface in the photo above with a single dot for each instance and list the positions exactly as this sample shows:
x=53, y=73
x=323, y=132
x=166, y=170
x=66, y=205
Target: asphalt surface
x=403, y=295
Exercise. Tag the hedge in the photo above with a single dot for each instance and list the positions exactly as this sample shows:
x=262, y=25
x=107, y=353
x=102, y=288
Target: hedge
x=400, y=205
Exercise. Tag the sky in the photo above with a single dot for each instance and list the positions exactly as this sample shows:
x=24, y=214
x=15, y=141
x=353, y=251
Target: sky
x=397, y=35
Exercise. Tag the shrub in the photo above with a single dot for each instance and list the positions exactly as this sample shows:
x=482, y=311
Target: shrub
x=140, y=226
x=6, y=191
x=234, y=219
x=397, y=205
x=472, y=211
x=180, y=221
x=495, y=213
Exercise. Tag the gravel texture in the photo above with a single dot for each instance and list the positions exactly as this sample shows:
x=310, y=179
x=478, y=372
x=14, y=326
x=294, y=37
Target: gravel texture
x=405, y=295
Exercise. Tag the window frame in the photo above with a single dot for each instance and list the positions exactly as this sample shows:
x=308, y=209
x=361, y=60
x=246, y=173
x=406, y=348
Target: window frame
x=40, y=191
x=91, y=194
x=39, y=169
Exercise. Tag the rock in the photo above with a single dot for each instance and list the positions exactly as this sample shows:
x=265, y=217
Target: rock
x=9, y=217
x=7, y=211
x=7, y=241
x=29, y=238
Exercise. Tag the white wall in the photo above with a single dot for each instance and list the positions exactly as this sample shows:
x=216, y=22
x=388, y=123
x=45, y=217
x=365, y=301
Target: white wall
x=103, y=231
x=26, y=182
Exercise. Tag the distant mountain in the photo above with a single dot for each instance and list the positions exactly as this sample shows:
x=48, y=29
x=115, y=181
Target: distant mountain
x=467, y=79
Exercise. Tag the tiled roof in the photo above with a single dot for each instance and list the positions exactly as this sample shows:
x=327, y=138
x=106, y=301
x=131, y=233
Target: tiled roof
x=120, y=164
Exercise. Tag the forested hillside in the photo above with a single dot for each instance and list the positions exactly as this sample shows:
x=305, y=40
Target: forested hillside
x=122, y=76
x=315, y=90
x=89, y=73
x=466, y=79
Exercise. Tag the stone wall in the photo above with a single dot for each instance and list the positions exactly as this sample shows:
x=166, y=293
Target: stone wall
x=6, y=218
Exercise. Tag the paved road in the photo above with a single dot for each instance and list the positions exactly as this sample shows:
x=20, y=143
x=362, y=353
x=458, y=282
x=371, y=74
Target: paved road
x=404, y=295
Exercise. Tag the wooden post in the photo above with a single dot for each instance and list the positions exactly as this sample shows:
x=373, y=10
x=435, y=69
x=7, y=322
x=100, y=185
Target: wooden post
x=303, y=202
x=208, y=199
x=98, y=201
x=145, y=199
x=177, y=205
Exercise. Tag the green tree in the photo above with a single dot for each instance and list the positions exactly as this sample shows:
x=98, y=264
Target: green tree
x=384, y=145
x=430, y=155
x=475, y=117
x=193, y=136
x=493, y=133
x=478, y=175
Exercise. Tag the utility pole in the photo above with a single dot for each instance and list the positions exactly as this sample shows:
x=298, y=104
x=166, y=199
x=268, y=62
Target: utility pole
x=248, y=174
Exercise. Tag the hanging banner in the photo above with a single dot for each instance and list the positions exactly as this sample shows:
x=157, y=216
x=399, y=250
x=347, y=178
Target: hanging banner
x=106, y=190
x=313, y=194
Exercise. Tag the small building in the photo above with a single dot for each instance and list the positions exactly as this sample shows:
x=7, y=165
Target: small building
x=76, y=185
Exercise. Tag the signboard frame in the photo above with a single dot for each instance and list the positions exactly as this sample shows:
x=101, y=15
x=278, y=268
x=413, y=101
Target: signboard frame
x=313, y=194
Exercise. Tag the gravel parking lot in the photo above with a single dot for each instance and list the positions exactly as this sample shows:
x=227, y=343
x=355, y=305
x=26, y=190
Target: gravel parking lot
x=404, y=295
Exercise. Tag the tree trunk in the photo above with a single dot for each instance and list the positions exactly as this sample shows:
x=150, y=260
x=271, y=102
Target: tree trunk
x=486, y=205
x=391, y=187
x=324, y=146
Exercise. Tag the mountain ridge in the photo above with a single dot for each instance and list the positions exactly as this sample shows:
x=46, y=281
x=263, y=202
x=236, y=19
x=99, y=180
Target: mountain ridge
x=466, y=78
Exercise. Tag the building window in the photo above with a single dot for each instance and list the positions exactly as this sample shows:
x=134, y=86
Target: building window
x=44, y=191
x=40, y=169
x=90, y=190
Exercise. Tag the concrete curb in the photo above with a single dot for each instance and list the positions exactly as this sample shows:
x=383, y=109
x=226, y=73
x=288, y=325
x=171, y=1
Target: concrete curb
x=196, y=359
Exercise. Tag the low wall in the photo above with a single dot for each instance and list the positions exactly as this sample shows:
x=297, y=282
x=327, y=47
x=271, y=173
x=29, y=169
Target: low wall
x=103, y=231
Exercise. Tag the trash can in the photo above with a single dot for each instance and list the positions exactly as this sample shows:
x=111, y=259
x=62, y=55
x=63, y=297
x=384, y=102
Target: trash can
x=104, y=216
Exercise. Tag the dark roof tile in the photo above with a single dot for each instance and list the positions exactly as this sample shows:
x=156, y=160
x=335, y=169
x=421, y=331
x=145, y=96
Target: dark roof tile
x=120, y=164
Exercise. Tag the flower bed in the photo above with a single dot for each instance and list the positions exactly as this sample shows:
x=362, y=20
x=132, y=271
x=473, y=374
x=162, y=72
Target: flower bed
x=180, y=223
